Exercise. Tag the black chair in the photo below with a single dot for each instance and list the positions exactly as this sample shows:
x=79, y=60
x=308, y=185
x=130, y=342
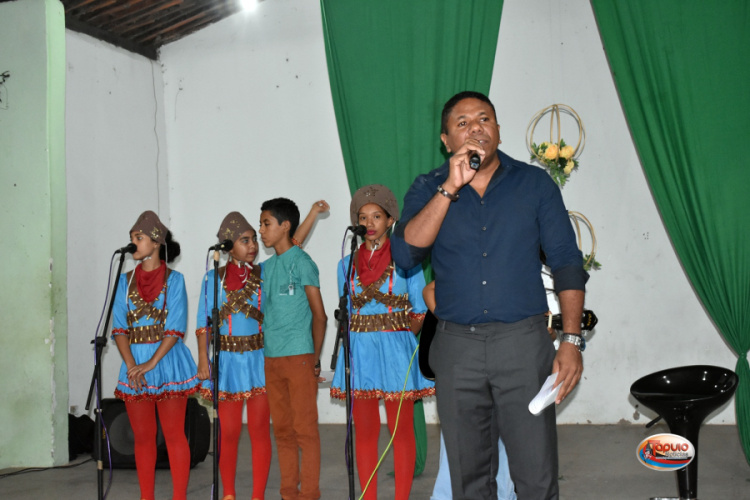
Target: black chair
x=683, y=397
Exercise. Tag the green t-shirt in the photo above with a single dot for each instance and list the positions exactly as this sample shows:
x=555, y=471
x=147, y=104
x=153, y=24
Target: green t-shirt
x=287, y=323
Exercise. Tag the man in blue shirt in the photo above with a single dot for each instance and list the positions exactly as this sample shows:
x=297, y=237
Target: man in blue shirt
x=492, y=353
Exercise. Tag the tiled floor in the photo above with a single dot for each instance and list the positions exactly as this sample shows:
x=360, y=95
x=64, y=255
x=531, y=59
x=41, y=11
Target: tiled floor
x=596, y=462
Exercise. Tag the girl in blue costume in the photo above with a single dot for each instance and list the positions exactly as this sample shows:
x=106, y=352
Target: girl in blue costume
x=241, y=377
x=387, y=310
x=158, y=372
x=241, y=361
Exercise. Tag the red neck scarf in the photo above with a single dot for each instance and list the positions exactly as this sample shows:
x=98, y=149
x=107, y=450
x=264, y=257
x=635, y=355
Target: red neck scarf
x=371, y=266
x=236, y=276
x=150, y=283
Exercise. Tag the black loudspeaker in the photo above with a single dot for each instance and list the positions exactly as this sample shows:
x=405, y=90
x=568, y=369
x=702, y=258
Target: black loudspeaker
x=81, y=435
x=122, y=444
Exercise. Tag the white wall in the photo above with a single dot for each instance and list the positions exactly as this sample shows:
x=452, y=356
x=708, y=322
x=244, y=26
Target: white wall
x=116, y=169
x=248, y=116
x=650, y=318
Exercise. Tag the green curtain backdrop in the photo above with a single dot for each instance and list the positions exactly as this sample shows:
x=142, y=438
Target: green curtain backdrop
x=681, y=69
x=392, y=64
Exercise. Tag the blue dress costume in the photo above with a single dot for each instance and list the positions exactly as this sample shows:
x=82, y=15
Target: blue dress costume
x=241, y=360
x=382, y=343
x=175, y=375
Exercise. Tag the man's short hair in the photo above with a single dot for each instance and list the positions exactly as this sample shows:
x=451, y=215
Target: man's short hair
x=466, y=94
x=283, y=209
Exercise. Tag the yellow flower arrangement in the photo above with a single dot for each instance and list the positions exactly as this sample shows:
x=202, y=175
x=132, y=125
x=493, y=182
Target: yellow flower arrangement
x=551, y=152
x=567, y=152
x=557, y=158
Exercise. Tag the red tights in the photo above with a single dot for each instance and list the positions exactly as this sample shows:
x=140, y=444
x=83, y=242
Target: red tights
x=142, y=416
x=367, y=430
x=259, y=428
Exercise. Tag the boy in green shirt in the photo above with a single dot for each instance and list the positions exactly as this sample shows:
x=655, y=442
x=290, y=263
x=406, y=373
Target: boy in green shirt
x=294, y=327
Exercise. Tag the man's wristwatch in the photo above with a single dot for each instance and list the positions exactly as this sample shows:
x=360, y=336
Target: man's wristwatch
x=576, y=339
x=452, y=197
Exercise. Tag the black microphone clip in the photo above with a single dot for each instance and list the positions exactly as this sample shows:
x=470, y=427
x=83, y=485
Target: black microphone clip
x=129, y=248
x=225, y=245
x=357, y=230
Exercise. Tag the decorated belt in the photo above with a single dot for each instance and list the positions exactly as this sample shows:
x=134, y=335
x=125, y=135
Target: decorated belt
x=241, y=343
x=146, y=334
x=393, y=322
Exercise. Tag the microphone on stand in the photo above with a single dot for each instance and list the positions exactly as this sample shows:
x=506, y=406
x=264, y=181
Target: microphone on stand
x=129, y=248
x=225, y=245
x=357, y=230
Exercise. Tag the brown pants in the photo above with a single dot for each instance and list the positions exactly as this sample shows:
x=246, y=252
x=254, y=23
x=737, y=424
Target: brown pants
x=292, y=390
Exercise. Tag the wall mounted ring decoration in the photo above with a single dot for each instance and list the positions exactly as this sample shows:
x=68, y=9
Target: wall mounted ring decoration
x=557, y=156
x=589, y=259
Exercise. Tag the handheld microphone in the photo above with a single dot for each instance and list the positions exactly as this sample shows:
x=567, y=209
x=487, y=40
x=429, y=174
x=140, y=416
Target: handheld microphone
x=129, y=248
x=474, y=161
x=357, y=230
x=225, y=245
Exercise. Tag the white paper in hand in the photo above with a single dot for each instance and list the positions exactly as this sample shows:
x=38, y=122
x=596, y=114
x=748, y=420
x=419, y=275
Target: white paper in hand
x=546, y=395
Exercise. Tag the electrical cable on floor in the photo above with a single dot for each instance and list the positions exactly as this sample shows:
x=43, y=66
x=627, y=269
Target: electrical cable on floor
x=41, y=469
x=395, y=427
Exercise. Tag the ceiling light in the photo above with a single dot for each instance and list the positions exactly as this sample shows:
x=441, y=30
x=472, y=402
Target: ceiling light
x=249, y=5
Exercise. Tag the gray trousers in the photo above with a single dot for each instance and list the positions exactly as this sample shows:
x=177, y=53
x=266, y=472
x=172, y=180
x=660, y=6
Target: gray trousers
x=485, y=376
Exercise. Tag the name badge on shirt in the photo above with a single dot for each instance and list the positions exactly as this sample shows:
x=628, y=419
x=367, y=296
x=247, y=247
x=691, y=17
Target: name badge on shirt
x=289, y=288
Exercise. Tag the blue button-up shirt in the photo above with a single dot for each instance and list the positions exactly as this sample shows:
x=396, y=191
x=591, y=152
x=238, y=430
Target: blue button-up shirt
x=486, y=255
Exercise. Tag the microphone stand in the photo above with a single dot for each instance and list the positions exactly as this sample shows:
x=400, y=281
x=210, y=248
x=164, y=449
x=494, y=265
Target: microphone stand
x=100, y=343
x=215, y=374
x=342, y=315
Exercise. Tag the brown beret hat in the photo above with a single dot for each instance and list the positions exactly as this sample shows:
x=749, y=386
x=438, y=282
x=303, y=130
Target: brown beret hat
x=148, y=223
x=374, y=193
x=232, y=227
